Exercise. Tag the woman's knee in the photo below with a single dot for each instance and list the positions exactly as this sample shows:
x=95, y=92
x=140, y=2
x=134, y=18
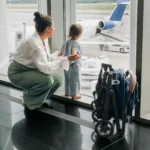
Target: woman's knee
x=57, y=80
x=52, y=80
x=14, y=79
x=49, y=81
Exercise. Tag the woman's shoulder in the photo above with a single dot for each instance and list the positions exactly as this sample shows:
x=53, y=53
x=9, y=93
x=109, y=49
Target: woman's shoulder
x=33, y=42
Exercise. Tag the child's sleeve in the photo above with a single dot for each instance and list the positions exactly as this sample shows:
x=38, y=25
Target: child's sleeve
x=77, y=49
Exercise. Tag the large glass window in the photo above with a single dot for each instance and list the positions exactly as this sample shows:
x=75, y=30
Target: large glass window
x=19, y=25
x=105, y=38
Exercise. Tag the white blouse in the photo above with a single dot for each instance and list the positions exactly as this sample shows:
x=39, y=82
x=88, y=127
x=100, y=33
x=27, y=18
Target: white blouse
x=32, y=53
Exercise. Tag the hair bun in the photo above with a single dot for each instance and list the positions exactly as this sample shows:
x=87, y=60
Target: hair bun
x=37, y=16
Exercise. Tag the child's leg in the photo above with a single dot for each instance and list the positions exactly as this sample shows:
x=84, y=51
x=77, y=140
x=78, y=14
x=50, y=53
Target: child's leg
x=67, y=87
x=79, y=78
x=74, y=76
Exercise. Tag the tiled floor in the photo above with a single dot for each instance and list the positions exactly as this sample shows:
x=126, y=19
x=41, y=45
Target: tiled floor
x=45, y=132
x=4, y=78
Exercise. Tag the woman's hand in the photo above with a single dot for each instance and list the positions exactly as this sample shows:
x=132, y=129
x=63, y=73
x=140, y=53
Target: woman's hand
x=73, y=57
x=59, y=53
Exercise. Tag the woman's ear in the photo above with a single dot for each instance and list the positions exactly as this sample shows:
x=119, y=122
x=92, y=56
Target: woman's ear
x=47, y=29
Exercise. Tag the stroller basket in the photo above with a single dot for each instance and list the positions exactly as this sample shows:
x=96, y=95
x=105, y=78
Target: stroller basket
x=106, y=98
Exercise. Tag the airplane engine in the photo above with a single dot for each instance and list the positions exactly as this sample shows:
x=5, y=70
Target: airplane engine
x=106, y=25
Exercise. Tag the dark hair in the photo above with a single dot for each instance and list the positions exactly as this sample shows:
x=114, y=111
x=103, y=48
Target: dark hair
x=75, y=30
x=42, y=22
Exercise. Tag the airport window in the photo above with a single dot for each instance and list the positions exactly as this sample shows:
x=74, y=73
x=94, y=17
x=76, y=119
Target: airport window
x=17, y=24
x=105, y=38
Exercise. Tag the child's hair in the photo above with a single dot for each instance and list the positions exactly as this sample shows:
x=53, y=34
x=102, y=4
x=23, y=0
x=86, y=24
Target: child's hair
x=75, y=30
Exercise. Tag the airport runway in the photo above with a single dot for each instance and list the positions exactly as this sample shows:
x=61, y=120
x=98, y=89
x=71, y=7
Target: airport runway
x=117, y=59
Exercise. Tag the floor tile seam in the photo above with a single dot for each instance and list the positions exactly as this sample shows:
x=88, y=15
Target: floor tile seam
x=5, y=127
x=11, y=115
x=16, y=98
x=112, y=143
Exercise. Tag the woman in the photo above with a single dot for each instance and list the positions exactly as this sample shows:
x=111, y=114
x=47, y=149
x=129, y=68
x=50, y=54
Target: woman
x=33, y=67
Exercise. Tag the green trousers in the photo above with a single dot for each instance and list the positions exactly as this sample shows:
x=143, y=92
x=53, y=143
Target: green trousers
x=37, y=86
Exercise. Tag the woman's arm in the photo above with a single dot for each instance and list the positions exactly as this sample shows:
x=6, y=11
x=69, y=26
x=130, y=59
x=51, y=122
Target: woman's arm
x=54, y=56
x=41, y=62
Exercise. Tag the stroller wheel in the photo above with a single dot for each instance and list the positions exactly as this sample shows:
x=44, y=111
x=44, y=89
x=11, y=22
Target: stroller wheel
x=93, y=105
x=97, y=114
x=104, y=128
x=94, y=136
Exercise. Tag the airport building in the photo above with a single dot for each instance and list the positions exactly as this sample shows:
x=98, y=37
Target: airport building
x=74, y=75
x=78, y=1
x=21, y=1
x=96, y=1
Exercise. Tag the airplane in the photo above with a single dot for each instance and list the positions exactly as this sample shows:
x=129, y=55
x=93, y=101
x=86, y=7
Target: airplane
x=93, y=27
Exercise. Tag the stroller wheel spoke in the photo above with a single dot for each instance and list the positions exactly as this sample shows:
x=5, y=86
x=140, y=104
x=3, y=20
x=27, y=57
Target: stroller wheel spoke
x=104, y=128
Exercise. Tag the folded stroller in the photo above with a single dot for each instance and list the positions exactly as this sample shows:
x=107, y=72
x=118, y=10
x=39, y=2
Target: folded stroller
x=115, y=98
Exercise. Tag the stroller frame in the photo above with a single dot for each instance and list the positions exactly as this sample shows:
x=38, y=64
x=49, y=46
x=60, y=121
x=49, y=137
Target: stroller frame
x=104, y=128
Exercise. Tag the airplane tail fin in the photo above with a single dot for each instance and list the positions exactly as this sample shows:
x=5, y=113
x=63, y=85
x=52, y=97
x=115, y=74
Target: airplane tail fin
x=119, y=10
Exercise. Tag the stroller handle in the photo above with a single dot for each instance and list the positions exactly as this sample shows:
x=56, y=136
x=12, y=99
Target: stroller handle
x=133, y=80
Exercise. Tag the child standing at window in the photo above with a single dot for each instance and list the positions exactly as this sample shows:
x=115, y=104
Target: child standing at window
x=72, y=76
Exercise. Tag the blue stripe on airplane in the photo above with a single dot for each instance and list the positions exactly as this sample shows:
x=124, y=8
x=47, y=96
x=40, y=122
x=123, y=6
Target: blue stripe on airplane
x=118, y=12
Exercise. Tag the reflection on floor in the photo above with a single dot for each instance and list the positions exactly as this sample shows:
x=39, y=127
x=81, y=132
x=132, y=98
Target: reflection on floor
x=85, y=99
x=45, y=132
